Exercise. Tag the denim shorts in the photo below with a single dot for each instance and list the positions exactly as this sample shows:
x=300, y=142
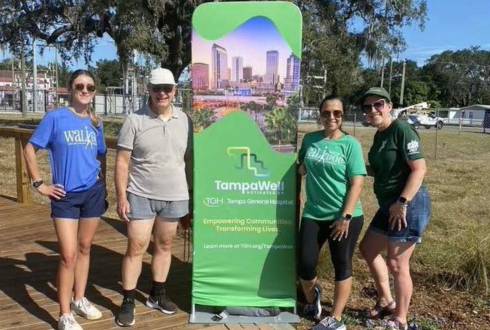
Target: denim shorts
x=142, y=208
x=418, y=212
x=79, y=205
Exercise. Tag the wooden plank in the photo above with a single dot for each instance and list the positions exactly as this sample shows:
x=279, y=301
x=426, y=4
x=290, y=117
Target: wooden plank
x=265, y=327
x=22, y=178
x=282, y=326
x=6, y=202
x=28, y=264
x=249, y=327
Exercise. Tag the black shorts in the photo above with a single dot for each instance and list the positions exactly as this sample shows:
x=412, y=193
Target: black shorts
x=78, y=205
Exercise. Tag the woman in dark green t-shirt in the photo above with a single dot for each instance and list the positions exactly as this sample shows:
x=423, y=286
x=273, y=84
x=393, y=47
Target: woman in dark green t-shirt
x=398, y=166
x=334, y=167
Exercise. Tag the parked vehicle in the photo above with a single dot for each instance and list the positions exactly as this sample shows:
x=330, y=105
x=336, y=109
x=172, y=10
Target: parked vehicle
x=431, y=120
x=413, y=120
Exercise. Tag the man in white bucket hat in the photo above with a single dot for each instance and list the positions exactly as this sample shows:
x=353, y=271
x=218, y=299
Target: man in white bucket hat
x=152, y=193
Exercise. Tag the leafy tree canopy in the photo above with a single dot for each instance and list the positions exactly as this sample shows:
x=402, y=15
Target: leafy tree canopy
x=162, y=29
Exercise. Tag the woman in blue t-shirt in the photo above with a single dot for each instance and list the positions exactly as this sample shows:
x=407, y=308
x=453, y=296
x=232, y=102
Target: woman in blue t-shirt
x=74, y=138
x=334, y=167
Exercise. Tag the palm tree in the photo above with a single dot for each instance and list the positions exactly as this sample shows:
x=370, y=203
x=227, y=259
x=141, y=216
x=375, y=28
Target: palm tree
x=252, y=106
x=280, y=122
x=202, y=118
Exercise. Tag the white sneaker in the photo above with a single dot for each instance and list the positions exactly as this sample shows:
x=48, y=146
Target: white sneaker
x=68, y=322
x=84, y=308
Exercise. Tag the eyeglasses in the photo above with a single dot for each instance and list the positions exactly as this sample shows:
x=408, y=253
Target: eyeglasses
x=378, y=106
x=81, y=87
x=162, y=88
x=336, y=114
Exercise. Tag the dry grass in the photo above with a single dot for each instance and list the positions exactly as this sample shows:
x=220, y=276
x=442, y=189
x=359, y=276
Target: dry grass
x=456, y=244
x=7, y=174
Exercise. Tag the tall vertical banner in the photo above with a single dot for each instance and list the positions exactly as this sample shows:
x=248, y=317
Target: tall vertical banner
x=245, y=81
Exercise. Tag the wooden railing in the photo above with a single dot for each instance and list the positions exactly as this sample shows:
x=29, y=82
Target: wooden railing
x=21, y=136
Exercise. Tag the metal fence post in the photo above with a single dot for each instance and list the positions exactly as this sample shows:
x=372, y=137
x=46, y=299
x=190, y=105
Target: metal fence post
x=437, y=132
x=105, y=103
x=46, y=96
x=355, y=121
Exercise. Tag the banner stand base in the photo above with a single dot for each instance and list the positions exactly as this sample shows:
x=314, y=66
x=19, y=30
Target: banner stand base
x=206, y=315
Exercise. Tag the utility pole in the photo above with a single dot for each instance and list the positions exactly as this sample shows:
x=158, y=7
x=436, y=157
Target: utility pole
x=56, y=76
x=382, y=72
x=391, y=75
x=56, y=68
x=135, y=82
x=325, y=77
x=23, y=80
x=12, y=62
x=34, y=83
x=403, y=84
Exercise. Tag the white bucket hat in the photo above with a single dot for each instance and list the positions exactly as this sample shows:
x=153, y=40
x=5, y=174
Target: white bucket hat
x=161, y=76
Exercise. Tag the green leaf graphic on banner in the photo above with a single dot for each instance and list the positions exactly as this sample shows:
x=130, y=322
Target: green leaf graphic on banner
x=244, y=218
x=214, y=20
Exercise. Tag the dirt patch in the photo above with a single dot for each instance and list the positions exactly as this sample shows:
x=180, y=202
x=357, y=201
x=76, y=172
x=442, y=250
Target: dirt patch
x=433, y=306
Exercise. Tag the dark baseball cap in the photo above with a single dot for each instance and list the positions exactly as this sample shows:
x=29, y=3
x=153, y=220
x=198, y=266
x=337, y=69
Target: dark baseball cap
x=378, y=91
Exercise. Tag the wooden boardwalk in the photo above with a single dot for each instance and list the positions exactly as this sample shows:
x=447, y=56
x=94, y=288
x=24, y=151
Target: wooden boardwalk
x=28, y=263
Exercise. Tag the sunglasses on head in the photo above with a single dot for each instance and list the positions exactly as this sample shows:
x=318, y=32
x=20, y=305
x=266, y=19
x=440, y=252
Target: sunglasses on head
x=80, y=88
x=162, y=88
x=336, y=114
x=378, y=106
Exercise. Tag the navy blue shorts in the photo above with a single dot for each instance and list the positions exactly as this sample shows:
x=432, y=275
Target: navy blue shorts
x=77, y=205
x=418, y=212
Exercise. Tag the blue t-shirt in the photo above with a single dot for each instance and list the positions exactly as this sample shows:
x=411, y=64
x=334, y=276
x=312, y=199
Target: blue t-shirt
x=73, y=144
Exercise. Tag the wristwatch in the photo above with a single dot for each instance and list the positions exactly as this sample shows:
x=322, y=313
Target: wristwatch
x=37, y=183
x=402, y=201
x=347, y=217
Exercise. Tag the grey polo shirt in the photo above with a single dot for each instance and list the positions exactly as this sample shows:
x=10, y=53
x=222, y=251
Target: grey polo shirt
x=157, y=169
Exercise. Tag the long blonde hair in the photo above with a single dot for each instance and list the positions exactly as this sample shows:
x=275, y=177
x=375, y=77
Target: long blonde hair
x=94, y=119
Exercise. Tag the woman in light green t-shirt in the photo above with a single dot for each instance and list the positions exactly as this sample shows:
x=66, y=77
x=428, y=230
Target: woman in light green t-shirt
x=334, y=167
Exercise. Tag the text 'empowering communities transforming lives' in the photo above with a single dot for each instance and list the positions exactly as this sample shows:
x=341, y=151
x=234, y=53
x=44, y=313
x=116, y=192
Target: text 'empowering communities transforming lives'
x=258, y=226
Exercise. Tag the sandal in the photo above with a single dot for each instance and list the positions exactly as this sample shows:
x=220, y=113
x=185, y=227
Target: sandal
x=378, y=312
x=393, y=324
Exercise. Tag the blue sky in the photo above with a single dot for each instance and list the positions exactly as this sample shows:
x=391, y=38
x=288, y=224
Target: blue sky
x=451, y=25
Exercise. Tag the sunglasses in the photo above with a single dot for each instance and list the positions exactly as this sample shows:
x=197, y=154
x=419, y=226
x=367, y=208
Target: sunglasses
x=336, y=114
x=162, y=88
x=378, y=106
x=81, y=87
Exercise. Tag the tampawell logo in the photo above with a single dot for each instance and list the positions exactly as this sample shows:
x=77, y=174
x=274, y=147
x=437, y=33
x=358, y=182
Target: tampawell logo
x=248, y=161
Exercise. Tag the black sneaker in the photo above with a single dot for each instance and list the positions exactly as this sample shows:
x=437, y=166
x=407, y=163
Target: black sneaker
x=314, y=310
x=162, y=303
x=126, y=313
x=318, y=302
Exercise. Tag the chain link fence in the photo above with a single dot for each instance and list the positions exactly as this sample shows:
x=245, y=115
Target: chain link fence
x=445, y=136
x=109, y=103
